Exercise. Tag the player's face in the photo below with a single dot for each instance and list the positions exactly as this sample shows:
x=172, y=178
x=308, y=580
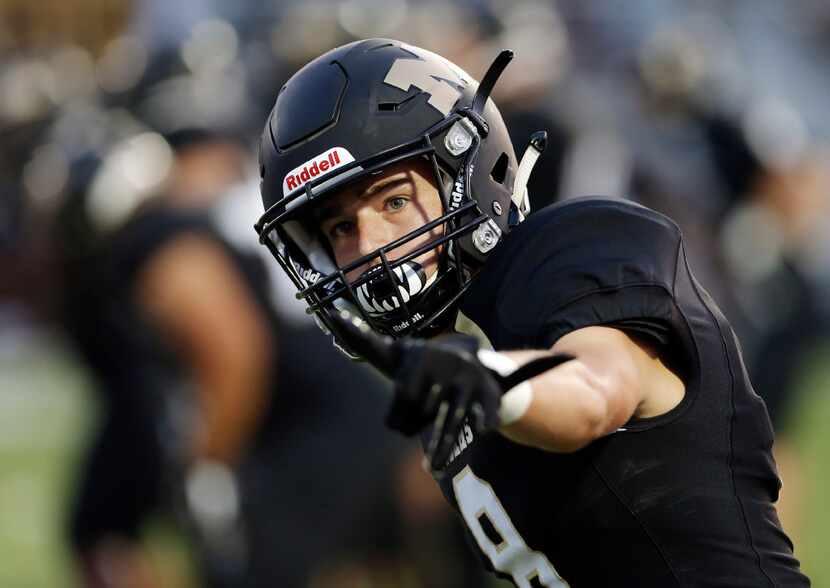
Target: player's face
x=380, y=209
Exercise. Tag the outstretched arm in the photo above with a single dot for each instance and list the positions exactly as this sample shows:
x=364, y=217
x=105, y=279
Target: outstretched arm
x=612, y=378
x=602, y=377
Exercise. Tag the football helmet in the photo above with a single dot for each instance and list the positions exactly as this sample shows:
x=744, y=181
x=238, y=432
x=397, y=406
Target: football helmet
x=354, y=111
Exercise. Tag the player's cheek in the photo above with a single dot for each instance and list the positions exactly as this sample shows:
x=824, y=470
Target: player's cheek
x=346, y=251
x=429, y=261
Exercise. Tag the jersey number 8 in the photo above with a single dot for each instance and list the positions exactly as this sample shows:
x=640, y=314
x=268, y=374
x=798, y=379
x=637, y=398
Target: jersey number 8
x=510, y=555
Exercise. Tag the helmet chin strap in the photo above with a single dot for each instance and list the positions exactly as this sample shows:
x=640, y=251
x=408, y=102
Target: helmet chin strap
x=537, y=144
x=538, y=140
x=489, y=80
x=476, y=109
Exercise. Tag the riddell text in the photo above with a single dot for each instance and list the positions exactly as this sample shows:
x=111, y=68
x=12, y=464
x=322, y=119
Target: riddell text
x=312, y=171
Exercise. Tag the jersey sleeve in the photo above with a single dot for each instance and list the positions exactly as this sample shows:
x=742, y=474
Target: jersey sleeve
x=657, y=332
x=592, y=262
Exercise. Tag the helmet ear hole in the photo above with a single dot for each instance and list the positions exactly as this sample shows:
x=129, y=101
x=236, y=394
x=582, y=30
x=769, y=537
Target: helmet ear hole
x=499, y=171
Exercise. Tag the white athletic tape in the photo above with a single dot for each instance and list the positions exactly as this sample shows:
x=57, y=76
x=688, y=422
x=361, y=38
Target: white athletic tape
x=516, y=401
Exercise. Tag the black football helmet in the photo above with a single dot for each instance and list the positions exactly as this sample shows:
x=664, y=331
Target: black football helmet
x=354, y=111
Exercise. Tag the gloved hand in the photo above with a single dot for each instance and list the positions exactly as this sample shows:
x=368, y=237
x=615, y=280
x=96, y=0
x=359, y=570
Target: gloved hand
x=438, y=382
x=441, y=382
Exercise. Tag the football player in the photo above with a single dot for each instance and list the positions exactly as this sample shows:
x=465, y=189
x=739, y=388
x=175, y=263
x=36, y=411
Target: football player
x=582, y=401
x=154, y=301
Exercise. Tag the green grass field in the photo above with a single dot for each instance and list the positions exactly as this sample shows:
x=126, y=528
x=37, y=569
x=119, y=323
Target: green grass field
x=809, y=423
x=44, y=416
x=46, y=413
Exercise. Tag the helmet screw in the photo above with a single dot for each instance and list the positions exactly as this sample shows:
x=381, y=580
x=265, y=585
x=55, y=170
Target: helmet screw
x=459, y=138
x=497, y=207
x=486, y=236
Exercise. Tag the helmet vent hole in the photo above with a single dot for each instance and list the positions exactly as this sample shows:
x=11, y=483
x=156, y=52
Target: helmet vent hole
x=499, y=171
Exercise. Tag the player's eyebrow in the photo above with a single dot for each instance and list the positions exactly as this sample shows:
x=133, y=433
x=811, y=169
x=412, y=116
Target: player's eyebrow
x=385, y=184
x=334, y=209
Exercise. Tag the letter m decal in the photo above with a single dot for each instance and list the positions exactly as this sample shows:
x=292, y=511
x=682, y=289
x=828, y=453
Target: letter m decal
x=439, y=80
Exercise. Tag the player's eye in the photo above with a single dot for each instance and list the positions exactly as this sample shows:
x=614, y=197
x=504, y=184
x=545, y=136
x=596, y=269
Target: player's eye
x=396, y=202
x=341, y=229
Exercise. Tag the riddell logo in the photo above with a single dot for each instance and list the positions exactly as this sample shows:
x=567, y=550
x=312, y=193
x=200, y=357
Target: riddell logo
x=314, y=168
x=457, y=193
x=458, y=189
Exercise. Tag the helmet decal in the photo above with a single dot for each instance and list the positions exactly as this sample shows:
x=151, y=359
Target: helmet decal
x=430, y=78
x=458, y=189
x=320, y=165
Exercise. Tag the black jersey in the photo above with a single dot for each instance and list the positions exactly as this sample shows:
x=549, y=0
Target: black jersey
x=136, y=374
x=681, y=499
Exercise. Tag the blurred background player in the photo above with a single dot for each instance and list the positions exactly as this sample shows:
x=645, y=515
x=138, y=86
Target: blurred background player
x=138, y=298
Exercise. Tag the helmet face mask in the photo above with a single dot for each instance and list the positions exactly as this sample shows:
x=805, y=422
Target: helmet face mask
x=469, y=153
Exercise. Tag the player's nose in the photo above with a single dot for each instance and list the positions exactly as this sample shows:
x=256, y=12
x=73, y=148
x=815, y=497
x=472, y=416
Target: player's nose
x=371, y=233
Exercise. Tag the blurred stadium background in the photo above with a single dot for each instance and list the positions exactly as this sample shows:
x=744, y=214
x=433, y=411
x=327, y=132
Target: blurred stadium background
x=713, y=112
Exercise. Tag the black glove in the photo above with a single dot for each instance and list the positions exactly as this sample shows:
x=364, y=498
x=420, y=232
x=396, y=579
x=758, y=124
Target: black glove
x=441, y=382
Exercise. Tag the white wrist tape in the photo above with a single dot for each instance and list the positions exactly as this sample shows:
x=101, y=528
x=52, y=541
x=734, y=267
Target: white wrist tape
x=516, y=401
